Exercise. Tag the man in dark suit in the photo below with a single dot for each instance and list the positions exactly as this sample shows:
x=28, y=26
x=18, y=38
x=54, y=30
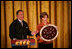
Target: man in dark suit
x=19, y=28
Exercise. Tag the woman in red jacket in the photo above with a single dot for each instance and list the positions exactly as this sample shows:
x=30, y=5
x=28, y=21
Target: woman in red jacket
x=42, y=43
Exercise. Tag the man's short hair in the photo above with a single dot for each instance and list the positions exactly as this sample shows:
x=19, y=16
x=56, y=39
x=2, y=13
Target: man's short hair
x=18, y=11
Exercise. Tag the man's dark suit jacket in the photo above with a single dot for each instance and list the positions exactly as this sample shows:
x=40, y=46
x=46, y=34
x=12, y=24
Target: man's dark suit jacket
x=17, y=31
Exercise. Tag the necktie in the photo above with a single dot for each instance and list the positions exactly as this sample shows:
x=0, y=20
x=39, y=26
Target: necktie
x=22, y=23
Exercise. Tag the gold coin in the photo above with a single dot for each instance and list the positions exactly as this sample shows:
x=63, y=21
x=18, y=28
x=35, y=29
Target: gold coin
x=28, y=42
x=24, y=42
x=17, y=43
x=20, y=43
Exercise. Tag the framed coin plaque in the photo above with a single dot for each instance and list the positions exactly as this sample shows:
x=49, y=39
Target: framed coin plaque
x=49, y=32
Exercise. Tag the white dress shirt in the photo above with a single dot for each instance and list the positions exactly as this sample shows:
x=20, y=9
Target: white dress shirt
x=20, y=22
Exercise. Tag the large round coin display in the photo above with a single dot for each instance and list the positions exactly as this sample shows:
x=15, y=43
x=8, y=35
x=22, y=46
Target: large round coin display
x=48, y=32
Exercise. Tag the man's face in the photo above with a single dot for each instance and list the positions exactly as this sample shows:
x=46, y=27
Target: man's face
x=20, y=15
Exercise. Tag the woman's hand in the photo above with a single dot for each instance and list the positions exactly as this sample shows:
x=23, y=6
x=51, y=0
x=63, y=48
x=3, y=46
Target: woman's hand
x=40, y=41
x=35, y=32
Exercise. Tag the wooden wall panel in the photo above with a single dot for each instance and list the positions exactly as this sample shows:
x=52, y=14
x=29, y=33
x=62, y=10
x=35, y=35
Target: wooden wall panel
x=30, y=8
x=69, y=22
x=2, y=25
x=9, y=19
x=66, y=34
x=60, y=24
x=53, y=16
x=17, y=6
x=39, y=11
x=24, y=8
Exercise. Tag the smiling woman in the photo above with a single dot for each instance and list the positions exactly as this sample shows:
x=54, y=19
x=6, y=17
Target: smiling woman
x=59, y=14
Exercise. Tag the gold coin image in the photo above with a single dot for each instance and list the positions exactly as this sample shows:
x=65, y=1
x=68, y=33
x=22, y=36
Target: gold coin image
x=24, y=42
x=28, y=42
x=17, y=43
x=20, y=43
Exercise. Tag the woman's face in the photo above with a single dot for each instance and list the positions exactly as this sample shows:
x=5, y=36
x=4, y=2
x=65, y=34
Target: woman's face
x=44, y=18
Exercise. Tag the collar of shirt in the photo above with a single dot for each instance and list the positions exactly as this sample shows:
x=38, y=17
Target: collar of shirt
x=43, y=23
x=19, y=20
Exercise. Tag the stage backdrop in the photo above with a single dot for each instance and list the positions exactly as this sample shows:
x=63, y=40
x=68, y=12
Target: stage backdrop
x=59, y=14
